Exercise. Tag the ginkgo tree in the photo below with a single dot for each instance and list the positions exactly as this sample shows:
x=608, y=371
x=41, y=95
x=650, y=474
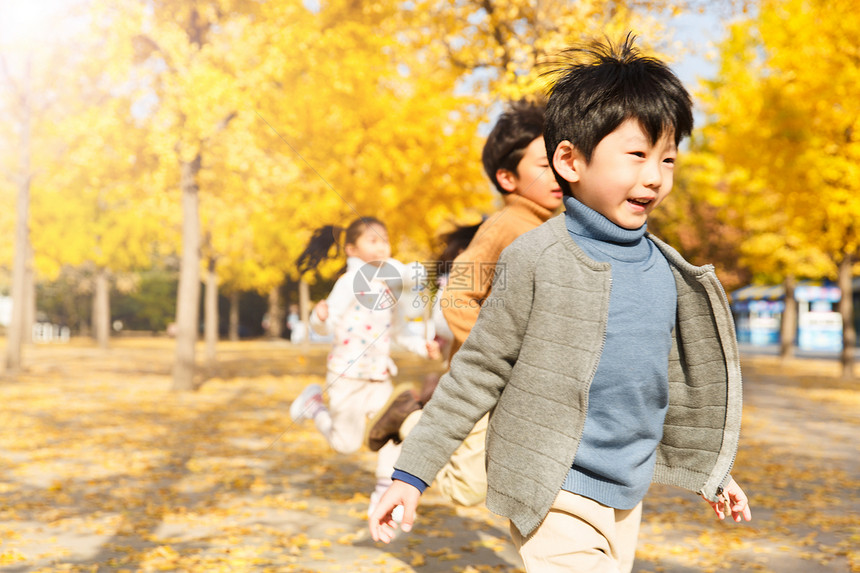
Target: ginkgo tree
x=783, y=120
x=503, y=48
x=89, y=211
x=193, y=58
x=385, y=101
x=249, y=230
x=20, y=100
x=89, y=169
x=31, y=86
x=264, y=121
x=373, y=127
x=241, y=237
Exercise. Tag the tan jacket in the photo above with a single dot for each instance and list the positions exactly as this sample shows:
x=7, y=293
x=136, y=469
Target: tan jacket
x=471, y=277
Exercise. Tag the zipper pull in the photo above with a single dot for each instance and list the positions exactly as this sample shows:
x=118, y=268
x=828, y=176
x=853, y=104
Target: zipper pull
x=723, y=498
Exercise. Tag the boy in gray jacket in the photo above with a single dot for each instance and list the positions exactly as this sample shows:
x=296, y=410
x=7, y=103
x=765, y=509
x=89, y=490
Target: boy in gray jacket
x=606, y=360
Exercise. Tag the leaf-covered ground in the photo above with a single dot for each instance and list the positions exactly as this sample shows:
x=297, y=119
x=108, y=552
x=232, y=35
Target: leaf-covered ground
x=102, y=468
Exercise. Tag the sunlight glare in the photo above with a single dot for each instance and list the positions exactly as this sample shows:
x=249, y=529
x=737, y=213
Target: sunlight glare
x=26, y=23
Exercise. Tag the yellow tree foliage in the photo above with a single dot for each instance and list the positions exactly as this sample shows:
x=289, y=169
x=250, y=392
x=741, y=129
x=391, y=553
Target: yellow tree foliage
x=90, y=205
x=504, y=47
x=34, y=49
x=95, y=205
x=7, y=216
x=748, y=111
x=812, y=45
x=380, y=104
x=267, y=120
x=373, y=128
x=98, y=210
x=191, y=59
x=699, y=226
x=785, y=122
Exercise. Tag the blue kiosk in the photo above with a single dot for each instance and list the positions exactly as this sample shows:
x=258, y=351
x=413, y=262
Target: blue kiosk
x=758, y=315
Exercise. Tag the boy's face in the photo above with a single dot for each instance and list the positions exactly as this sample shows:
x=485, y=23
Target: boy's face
x=627, y=176
x=534, y=179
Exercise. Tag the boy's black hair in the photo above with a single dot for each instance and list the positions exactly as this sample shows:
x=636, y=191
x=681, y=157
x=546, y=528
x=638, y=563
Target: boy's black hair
x=521, y=123
x=603, y=86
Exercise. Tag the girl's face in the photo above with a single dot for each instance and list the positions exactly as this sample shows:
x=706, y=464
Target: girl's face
x=372, y=245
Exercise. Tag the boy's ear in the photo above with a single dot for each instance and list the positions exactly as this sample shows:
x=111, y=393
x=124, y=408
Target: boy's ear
x=349, y=250
x=507, y=179
x=566, y=161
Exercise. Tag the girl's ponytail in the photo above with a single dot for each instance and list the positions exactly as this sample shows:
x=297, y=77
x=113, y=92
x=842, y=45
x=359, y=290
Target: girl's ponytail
x=319, y=248
x=321, y=243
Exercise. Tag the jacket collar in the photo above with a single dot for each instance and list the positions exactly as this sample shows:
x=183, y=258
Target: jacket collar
x=559, y=227
x=527, y=206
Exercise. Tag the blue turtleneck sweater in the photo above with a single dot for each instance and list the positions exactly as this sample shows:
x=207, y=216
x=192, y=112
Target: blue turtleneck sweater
x=629, y=394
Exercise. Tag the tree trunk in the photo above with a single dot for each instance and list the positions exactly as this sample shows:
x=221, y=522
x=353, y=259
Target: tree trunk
x=276, y=314
x=188, y=295
x=305, y=309
x=234, y=316
x=15, y=333
x=846, y=309
x=788, y=328
x=101, y=308
x=210, y=329
x=29, y=296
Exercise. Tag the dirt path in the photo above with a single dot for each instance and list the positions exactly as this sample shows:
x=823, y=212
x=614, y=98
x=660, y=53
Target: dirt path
x=798, y=462
x=103, y=469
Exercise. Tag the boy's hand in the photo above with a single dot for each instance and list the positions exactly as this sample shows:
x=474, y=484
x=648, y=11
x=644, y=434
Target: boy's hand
x=322, y=310
x=733, y=500
x=382, y=525
x=433, y=350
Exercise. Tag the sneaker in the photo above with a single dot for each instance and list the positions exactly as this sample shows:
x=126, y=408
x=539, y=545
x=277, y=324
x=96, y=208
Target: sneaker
x=385, y=424
x=306, y=406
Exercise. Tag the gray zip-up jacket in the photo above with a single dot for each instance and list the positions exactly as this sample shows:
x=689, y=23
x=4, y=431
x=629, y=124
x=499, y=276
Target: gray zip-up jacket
x=531, y=357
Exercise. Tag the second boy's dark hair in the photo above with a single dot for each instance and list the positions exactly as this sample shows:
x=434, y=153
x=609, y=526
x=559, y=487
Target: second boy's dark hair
x=520, y=124
x=604, y=86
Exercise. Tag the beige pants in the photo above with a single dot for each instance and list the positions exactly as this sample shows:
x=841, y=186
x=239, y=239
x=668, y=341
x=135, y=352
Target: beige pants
x=351, y=401
x=582, y=535
x=463, y=480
